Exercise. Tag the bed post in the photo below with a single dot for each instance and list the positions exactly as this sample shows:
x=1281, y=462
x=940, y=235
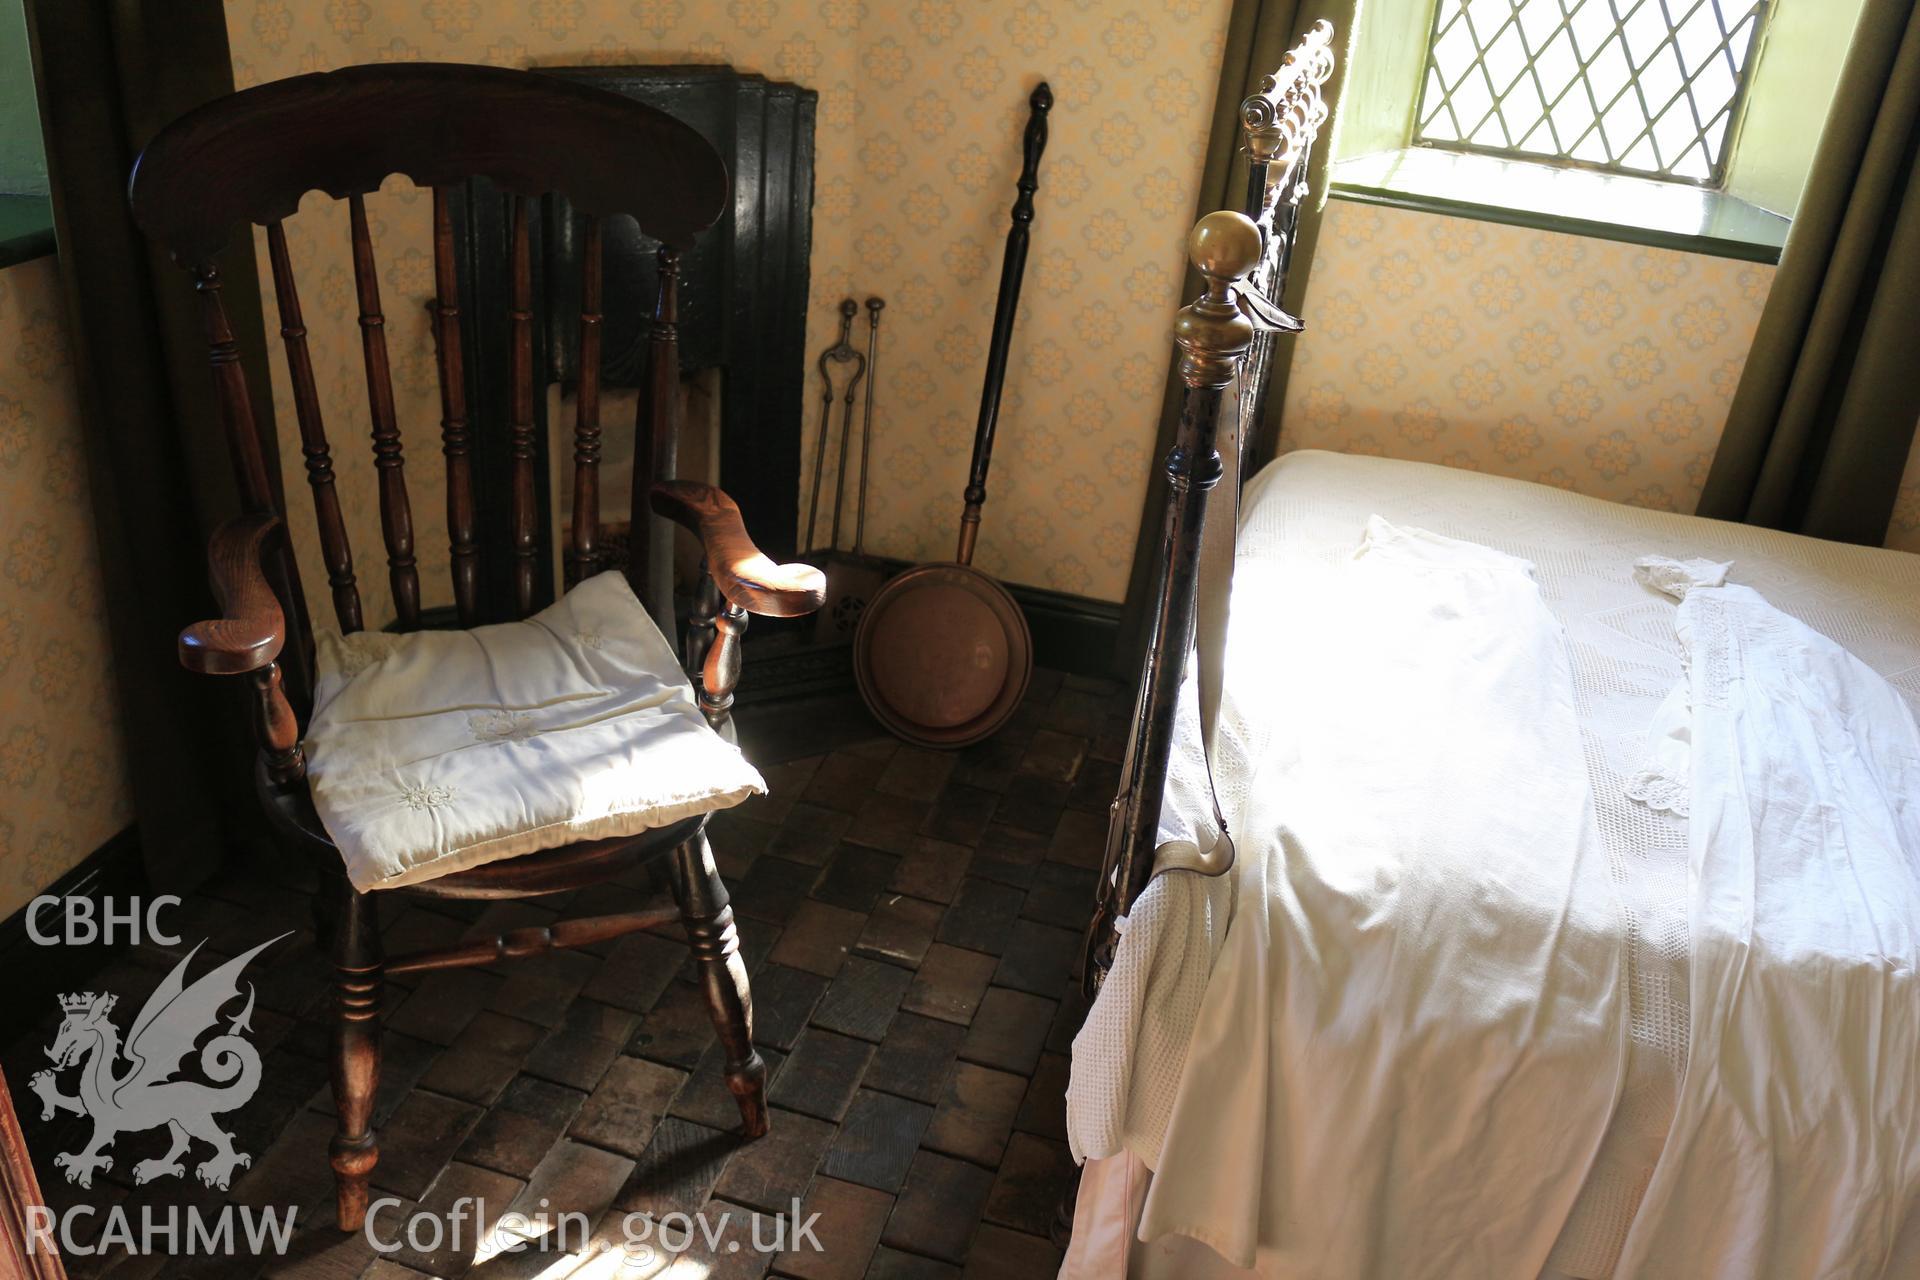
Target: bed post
x=1212, y=335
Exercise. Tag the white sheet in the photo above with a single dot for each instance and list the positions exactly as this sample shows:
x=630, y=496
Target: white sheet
x=1795, y=1147
x=1305, y=514
x=1424, y=917
x=1106, y=1210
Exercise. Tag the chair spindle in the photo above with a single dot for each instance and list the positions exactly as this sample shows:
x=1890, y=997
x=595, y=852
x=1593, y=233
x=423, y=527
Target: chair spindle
x=250, y=471
x=230, y=385
x=520, y=407
x=584, y=552
x=396, y=517
x=277, y=728
x=335, y=549
x=455, y=436
x=714, y=634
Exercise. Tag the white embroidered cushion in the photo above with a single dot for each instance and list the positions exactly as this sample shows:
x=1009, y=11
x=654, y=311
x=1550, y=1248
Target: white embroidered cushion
x=437, y=751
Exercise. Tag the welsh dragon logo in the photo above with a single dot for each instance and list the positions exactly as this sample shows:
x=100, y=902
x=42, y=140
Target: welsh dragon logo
x=126, y=1089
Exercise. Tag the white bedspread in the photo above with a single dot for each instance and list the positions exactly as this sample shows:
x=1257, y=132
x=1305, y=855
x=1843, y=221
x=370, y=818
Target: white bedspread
x=1795, y=1147
x=1260, y=1158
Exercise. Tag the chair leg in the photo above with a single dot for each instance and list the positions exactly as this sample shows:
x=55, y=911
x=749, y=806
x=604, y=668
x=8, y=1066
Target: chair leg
x=357, y=966
x=716, y=947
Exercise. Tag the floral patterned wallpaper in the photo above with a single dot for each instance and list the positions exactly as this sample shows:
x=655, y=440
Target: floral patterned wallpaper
x=63, y=784
x=921, y=107
x=1600, y=367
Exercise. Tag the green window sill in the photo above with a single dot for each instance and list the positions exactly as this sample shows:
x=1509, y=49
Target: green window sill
x=26, y=229
x=1666, y=215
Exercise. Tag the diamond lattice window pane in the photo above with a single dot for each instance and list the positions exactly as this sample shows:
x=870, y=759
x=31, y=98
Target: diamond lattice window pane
x=1634, y=86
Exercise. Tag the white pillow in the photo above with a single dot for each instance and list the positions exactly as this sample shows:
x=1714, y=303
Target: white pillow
x=437, y=751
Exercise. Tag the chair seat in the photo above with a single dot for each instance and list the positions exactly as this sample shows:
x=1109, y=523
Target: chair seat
x=561, y=869
x=437, y=752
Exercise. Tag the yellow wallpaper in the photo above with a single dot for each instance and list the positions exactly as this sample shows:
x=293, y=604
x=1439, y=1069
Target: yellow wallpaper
x=63, y=785
x=1600, y=367
x=921, y=107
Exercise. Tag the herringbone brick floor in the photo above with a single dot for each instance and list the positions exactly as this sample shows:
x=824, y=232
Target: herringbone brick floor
x=911, y=920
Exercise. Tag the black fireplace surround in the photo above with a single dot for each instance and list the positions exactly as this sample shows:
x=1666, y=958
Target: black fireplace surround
x=743, y=306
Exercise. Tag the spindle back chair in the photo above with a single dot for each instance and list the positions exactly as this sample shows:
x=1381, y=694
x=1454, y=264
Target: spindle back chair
x=250, y=158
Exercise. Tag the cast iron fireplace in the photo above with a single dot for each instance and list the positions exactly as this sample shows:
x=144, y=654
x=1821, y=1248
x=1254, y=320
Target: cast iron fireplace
x=742, y=319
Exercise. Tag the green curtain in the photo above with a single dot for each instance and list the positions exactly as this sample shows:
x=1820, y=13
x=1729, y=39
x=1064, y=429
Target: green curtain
x=110, y=74
x=1825, y=413
x=1259, y=33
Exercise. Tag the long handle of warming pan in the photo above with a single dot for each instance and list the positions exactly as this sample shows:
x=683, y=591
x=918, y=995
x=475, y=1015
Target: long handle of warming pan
x=1012, y=268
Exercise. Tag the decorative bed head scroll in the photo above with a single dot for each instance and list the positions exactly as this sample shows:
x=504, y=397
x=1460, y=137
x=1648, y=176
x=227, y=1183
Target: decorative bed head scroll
x=1282, y=122
x=1283, y=118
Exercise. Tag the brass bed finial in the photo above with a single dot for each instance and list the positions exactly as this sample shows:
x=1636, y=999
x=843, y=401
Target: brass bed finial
x=1211, y=331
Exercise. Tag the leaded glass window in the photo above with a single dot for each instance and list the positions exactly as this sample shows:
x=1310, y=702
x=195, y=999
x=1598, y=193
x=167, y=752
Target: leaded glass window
x=1649, y=87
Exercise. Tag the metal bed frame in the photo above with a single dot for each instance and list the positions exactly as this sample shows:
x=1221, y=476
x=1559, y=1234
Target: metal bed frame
x=1226, y=337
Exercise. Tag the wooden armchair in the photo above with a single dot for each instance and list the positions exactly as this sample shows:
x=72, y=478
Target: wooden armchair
x=249, y=158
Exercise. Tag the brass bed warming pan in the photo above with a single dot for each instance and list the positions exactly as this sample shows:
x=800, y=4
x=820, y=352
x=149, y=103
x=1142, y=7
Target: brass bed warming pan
x=942, y=654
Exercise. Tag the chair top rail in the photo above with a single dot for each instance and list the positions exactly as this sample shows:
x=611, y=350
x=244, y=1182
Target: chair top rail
x=251, y=156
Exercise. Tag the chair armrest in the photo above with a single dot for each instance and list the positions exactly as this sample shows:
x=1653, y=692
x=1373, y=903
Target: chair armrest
x=249, y=636
x=745, y=576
